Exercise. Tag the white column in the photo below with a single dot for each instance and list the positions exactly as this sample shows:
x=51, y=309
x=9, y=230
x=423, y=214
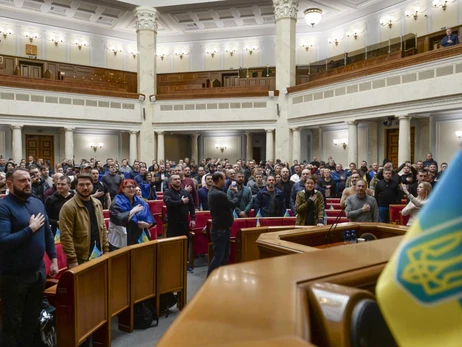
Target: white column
x=146, y=29
x=17, y=142
x=133, y=150
x=269, y=144
x=352, y=142
x=194, y=148
x=296, y=145
x=160, y=146
x=285, y=13
x=68, y=143
x=249, y=147
x=404, y=149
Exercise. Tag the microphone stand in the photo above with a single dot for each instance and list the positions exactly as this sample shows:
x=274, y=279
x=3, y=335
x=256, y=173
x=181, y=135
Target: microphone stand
x=330, y=232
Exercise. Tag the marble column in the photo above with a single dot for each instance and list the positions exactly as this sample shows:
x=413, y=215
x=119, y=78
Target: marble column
x=249, y=147
x=269, y=144
x=352, y=142
x=195, y=147
x=133, y=150
x=160, y=146
x=285, y=13
x=404, y=141
x=17, y=142
x=68, y=143
x=296, y=144
x=146, y=29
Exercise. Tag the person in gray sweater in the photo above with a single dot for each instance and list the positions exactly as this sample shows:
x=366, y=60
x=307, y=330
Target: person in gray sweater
x=362, y=207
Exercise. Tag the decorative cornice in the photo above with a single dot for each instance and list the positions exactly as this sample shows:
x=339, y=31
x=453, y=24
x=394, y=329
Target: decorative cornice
x=146, y=18
x=285, y=9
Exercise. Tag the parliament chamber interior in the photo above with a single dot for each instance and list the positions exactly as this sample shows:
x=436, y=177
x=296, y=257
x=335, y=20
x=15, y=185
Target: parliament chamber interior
x=266, y=80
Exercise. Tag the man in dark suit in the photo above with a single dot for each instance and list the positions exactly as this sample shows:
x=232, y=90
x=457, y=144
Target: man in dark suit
x=450, y=39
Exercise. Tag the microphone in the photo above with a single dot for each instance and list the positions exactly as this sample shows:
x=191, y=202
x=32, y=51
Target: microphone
x=332, y=228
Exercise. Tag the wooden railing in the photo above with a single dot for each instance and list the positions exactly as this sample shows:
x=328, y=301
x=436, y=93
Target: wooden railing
x=382, y=67
x=210, y=93
x=63, y=86
x=88, y=296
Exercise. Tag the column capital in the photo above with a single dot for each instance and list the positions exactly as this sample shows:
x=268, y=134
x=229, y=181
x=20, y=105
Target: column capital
x=133, y=132
x=16, y=127
x=196, y=135
x=159, y=132
x=352, y=122
x=69, y=129
x=146, y=18
x=285, y=9
x=296, y=129
x=403, y=116
x=269, y=130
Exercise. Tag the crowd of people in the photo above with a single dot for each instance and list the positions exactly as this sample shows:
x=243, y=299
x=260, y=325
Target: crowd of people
x=41, y=200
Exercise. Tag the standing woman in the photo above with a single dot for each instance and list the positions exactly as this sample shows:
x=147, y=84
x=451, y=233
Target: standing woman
x=148, y=186
x=309, y=205
x=416, y=203
x=129, y=217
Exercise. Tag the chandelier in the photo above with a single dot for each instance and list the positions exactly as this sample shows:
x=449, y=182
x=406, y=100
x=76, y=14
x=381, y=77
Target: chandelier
x=313, y=16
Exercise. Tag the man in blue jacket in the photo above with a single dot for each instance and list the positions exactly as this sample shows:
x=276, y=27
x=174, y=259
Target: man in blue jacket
x=450, y=39
x=270, y=200
x=25, y=235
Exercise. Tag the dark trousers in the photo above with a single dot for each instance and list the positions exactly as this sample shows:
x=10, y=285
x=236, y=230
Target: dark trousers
x=220, y=240
x=22, y=303
x=384, y=215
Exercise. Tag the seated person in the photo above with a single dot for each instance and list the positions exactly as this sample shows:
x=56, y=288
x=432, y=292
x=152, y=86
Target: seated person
x=450, y=39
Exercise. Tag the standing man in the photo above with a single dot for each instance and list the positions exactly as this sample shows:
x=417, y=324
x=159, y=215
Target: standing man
x=55, y=202
x=100, y=190
x=204, y=193
x=221, y=209
x=361, y=207
x=81, y=223
x=39, y=186
x=244, y=195
x=285, y=185
x=112, y=180
x=386, y=193
x=25, y=235
x=270, y=201
x=179, y=205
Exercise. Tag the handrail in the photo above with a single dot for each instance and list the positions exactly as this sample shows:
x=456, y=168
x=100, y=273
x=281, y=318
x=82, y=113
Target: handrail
x=382, y=67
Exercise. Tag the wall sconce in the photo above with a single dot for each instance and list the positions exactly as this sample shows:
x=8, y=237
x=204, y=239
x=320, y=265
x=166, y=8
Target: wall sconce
x=411, y=14
x=307, y=46
x=436, y=3
x=212, y=53
x=80, y=44
x=459, y=134
x=343, y=142
x=152, y=98
x=95, y=146
x=5, y=33
x=31, y=37
x=178, y=54
x=231, y=51
x=251, y=49
x=387, y=21
x=162, y=56
x=141, y=97
x=133, y=53
x=57, y=41
x=116, y=50
x=354, y=34
x=330, y=40
x=220, y=147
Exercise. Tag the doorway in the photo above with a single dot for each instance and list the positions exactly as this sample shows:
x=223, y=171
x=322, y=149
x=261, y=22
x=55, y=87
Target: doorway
x=40, y=146
x=393, y=145
x=33, y=70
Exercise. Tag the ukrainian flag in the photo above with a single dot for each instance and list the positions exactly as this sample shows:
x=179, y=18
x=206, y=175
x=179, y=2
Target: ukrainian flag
x=287, y=214
x=235, y=215
x=258, y=215
x=95, y=253
x=420, y=290
x=143, y=237
x=57, y=236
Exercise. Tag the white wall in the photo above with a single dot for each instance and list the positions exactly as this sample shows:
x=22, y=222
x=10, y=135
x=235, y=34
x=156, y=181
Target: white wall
x=447, y=143
x=233, y=149
x=110, y=147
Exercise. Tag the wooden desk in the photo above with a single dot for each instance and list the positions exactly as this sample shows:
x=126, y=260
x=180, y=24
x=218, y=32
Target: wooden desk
x=331, y=245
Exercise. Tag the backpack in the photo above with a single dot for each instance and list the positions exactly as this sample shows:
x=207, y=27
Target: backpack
x=144, y=314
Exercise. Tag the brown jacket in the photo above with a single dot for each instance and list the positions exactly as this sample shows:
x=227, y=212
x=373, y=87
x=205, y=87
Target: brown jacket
x=74, y=225
x=301, y=208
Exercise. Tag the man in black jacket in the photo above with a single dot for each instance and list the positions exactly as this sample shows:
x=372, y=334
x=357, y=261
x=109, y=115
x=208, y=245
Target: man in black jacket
x=179, y=204
x=386, y=193
x=56, y=201
x=221, y=209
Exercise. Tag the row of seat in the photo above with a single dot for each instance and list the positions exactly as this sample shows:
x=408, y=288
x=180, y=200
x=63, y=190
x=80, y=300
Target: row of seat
x=88, y=296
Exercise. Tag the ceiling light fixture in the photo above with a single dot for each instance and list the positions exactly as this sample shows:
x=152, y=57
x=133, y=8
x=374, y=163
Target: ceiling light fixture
x=313, y=16
x=414, y=14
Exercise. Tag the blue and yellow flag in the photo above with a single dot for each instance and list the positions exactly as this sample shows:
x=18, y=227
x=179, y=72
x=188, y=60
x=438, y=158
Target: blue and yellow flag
x=143, y=237
x=420, y=290
x=57, y=236
x=258, y=216
x=287, y=214
x=235, y=215
x=95, y=253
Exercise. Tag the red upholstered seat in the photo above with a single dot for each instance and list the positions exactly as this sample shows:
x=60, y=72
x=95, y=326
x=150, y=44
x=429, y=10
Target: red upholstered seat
x=159, y=224
x=331, y=220
x=106, y=214
x=403, y=219
x=333, y=206
x=251, y=213
x=153, y=232
x=334, y=213
x=394, y=212
x=333, y=200
x=289, y=221
x=106, y=221
x=155, y=206
x=62, y=261
x=239, y=223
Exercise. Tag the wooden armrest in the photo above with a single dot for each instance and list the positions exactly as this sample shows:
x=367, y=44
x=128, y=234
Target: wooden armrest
x=51, y=290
